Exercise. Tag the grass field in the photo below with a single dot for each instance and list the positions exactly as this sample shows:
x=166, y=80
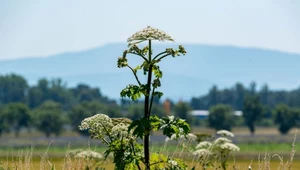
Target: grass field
x=266, y=140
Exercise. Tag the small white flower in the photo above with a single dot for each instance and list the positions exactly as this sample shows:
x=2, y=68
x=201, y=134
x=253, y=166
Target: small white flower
x=222, y=140
x=173, y=163
x=89, y=155
x=171, y=118
x=230, y=147
x=203, y=145
x=225, y=133
x=191, y=137
x=201, y=152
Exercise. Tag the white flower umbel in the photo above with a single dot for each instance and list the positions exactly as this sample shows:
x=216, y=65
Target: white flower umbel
x=120, y=129
x=225, y=133
x=98, y=125
x=187, y=137
x=201, y=152
x=222, y=140
x=204, y=145
x=89, y=155
x=229, y=147
x=190, y=137
x=149, y=33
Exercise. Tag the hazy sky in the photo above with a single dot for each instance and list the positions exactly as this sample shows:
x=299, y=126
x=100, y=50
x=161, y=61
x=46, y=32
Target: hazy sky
x=45, y=27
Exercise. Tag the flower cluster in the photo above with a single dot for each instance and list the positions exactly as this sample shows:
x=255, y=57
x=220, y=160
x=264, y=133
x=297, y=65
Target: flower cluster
x=187, y=137
x=225, y=133
x=220, y=144
x=88, y=154
x=149, y=33
x=102, y=127
x=99, y=126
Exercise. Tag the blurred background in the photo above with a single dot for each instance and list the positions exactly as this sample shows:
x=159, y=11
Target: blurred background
x=58, y=65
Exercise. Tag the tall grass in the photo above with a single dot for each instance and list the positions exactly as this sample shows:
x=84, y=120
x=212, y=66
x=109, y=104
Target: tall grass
x=24, y=160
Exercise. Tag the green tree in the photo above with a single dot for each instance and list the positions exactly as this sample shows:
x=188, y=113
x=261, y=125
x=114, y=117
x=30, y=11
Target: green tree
x=240, y=91
x=4, y=124
x=220, y=117
x=135, y=111
x=13, y=88
x=17, y=115
x=285, y=118
x=182, y=110
x=49, y=118
x=55, y=90
x=252, y=111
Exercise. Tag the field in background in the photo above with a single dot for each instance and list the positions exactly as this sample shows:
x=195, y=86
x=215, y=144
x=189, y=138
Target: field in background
x=266, y=140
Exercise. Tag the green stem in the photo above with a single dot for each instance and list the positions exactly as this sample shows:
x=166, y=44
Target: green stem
x=139, y=55
x=147, y=114
x=132, y=147
x=163, y=57
x=159, y=55
x=151, y=101
x=134, y=73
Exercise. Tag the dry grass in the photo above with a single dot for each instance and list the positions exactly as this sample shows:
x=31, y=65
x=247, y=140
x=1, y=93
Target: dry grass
x=25, y=161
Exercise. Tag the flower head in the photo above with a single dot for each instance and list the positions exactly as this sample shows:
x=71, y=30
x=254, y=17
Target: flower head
x=98, y=125
x=225, y=133
x=201, y=152
x=229, y=147
x=222, y=140
x=203, y=145
x=89, y=155
x=149, y=33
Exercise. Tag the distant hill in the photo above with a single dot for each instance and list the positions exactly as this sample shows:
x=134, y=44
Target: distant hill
x=184, y=76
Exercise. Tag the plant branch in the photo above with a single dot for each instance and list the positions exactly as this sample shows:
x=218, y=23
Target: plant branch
x=139, y=55
x=134, y=73
x=157, y=163
x=159, y=54
x=107, y=132
x=163, y=56
x=132, y=147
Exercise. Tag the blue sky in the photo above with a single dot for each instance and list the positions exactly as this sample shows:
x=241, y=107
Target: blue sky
x=41, y=28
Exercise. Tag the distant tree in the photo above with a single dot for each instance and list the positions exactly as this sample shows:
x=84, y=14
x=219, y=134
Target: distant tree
x=252, y=88
x=84, y=92
x=213, y=96
x=252, y=111
x=87, y=109
x=17, y=115
x=13, y=88
x=285, y=118
x=4, y=127
x=49, y=118
x=135, y=111
x=181, y=110
x=55, y=90
x=221, y=117
x=240, y=92
x=264, y=95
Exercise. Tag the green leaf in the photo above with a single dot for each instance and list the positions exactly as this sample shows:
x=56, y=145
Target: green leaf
x=155, y=122
x=139, y=128
x=157, y=72
x=158, y=93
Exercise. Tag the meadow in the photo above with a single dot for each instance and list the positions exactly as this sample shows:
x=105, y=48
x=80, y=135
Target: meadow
x=266, y=149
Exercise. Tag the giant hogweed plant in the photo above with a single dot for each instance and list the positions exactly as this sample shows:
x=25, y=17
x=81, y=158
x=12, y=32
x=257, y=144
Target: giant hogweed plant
x=121, y=135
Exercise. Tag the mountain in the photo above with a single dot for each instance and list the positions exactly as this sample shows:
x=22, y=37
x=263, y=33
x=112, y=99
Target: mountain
x=184, y=76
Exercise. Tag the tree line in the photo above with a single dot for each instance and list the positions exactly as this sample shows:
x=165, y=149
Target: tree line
x=50, y=106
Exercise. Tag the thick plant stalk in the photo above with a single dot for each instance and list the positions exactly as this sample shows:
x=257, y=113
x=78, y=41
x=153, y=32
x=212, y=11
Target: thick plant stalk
x=147, y=113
